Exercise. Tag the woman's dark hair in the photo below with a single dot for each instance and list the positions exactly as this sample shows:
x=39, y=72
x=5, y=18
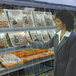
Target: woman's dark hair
x=67, y=18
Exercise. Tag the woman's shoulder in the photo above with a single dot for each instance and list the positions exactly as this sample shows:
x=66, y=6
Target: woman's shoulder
x=73, y=34
x=72, y=37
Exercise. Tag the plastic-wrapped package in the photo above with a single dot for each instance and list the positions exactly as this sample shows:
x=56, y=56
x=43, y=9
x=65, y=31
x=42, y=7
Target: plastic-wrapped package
x=18, y=39
x=9, y=60
x=34, y=35
x=51, y=33
x=8, y=40
x=39, y=36
x=3, y=19
x=37, y=56
x=33, y=54
x=45, y=35
x=4, y=41
x=49, y=19
x=28, y=36
x=27, y=18
x=39, y=18
x=15, y=18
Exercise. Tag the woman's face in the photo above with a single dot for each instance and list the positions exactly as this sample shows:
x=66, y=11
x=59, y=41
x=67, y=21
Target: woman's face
x=59, y=24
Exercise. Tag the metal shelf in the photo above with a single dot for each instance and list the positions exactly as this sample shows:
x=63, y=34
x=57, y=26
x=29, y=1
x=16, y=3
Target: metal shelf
x=38, y=69
x=26, y=65
x=14, y=49
x=18, y=29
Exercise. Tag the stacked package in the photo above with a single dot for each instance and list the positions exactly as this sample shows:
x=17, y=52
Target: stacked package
x=45, y=35
x=49, y=19
x=33, y=54
x=23, y=56
x=39, y=36
x=51, y=33
x=27, y=18
x=15, y=18
x=3, y=19
x=9, y=60
x=18, y=39
x=27, y=34
x=3, y=41
x=34, y=35
x=23, y=18
x=39, y=18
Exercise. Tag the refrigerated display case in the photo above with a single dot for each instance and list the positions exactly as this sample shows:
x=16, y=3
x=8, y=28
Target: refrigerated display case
x=33, y=67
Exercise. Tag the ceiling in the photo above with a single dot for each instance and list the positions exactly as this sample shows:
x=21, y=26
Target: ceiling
x=64, y=2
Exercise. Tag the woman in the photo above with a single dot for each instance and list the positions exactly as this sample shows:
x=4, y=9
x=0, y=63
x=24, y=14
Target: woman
x=64, y=43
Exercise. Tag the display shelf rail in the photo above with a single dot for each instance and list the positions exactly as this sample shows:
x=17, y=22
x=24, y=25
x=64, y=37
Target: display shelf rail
x=37, y=4
x=18, y=29
x=26, y=65
x=14, y=49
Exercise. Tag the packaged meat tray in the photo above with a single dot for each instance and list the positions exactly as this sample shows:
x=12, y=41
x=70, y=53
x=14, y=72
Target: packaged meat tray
x=51, y=33
x=18, y=39
x=39, y=18
x=34, y=35
x=49, y=19
x=4, y=23
x=28, y=36
x=10, y=60
x=37, y=56
x=33, y=54
x=27, y=18
x=39, y=36
x=3, y=41
x=8, y=40
x=18, y=53
x=15, y=18
x=45, y=35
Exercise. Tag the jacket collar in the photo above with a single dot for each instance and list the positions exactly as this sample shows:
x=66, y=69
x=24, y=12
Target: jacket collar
x=66, y=37
x=67, y=34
